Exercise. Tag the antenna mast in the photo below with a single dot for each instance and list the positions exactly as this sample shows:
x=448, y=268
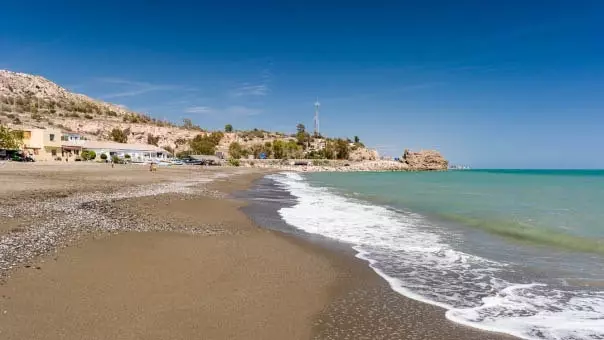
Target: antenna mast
x=317, y=105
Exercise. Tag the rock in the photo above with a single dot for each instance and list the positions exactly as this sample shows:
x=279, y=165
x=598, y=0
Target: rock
x=425, y=160
x=363, y=154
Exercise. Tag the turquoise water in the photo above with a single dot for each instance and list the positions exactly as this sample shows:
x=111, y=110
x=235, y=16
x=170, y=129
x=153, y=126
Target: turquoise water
x=513, y=251
x=558, y=208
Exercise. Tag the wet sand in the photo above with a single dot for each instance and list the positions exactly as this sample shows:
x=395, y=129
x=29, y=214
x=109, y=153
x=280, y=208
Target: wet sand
x=200, y=270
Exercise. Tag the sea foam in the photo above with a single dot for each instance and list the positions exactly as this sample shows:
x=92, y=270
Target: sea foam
x=418, y=260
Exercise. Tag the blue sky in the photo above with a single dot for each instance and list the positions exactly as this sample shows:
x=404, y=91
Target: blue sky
x=492, y=84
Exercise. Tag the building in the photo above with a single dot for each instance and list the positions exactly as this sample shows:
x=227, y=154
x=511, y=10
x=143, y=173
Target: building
x=41, y=144
x=317, y=144
x=72, y=137
x=136, y=152
x=52, y=143
x=71, y=144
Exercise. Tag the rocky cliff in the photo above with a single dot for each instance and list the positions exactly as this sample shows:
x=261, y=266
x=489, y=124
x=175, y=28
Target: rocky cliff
x=425, y=160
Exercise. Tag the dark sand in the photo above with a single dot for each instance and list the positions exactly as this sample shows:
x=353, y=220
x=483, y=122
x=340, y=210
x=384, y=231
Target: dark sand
x=237, y=281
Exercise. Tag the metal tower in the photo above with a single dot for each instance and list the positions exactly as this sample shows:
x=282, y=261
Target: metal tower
x=317, y=105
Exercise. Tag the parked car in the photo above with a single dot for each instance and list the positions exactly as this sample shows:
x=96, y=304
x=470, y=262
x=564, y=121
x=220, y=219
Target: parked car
x=192, y=161
x=22, y=158
x=177, y=162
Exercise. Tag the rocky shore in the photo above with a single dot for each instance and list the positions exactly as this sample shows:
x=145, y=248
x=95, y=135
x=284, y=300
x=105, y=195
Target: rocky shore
x=428, y=160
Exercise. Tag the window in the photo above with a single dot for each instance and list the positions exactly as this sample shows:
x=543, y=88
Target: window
x=52, y=137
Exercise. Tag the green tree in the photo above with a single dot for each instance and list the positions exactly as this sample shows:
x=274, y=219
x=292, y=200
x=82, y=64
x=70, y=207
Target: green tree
x=118, y=135
x=357, y=139
x=259, y=149
x=228, y=128
x=279, y=149
x=235, y=150
x=88, y=155
x=10, y=139
x=104, y=156
x=300, y=128
x=205, y=144
x=216, y=137
x=341, y=148
x=293, y=150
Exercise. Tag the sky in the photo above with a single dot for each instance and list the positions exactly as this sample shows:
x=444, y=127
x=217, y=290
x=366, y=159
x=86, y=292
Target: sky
x=491, y=84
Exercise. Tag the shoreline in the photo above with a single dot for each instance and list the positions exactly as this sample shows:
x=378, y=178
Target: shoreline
x=364, y=303
x=181, y=264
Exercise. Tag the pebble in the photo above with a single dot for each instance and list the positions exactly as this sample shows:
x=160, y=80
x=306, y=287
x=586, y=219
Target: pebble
x=63, y=221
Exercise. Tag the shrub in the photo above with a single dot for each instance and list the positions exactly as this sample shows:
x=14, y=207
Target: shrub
x=104, y=156
x=88, y=155
x=205, y=145
x=10, y=139
x=119, y=136
x=235, y=150
x=87, y=116
x=152, y=140
x=127, y=156
x=234, y=162
x=36, y=116
x=115, y=159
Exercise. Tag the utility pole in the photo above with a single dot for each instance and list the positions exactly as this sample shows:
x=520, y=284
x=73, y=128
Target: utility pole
x=317, y=105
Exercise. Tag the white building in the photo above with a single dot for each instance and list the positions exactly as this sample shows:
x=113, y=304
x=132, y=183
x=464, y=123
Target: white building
x=137, y=152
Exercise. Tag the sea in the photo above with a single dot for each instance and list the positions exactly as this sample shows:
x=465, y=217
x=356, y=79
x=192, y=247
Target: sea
x=513, y=251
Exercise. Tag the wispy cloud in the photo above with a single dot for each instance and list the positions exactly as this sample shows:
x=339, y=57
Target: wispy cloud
x=198, y=109
x=231, y=111
x=259, y=87
x=250, y=90
x=242, y=111
x=135, y=88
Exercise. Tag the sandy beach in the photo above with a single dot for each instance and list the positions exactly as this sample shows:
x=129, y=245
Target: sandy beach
x=93, y=252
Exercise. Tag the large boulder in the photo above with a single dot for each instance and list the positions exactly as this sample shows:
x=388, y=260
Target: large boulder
x=425, y=160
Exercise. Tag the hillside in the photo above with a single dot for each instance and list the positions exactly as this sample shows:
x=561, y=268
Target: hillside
x=34, y=101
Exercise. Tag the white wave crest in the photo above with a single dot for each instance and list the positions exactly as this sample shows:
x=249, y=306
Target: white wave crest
x=411, y=255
